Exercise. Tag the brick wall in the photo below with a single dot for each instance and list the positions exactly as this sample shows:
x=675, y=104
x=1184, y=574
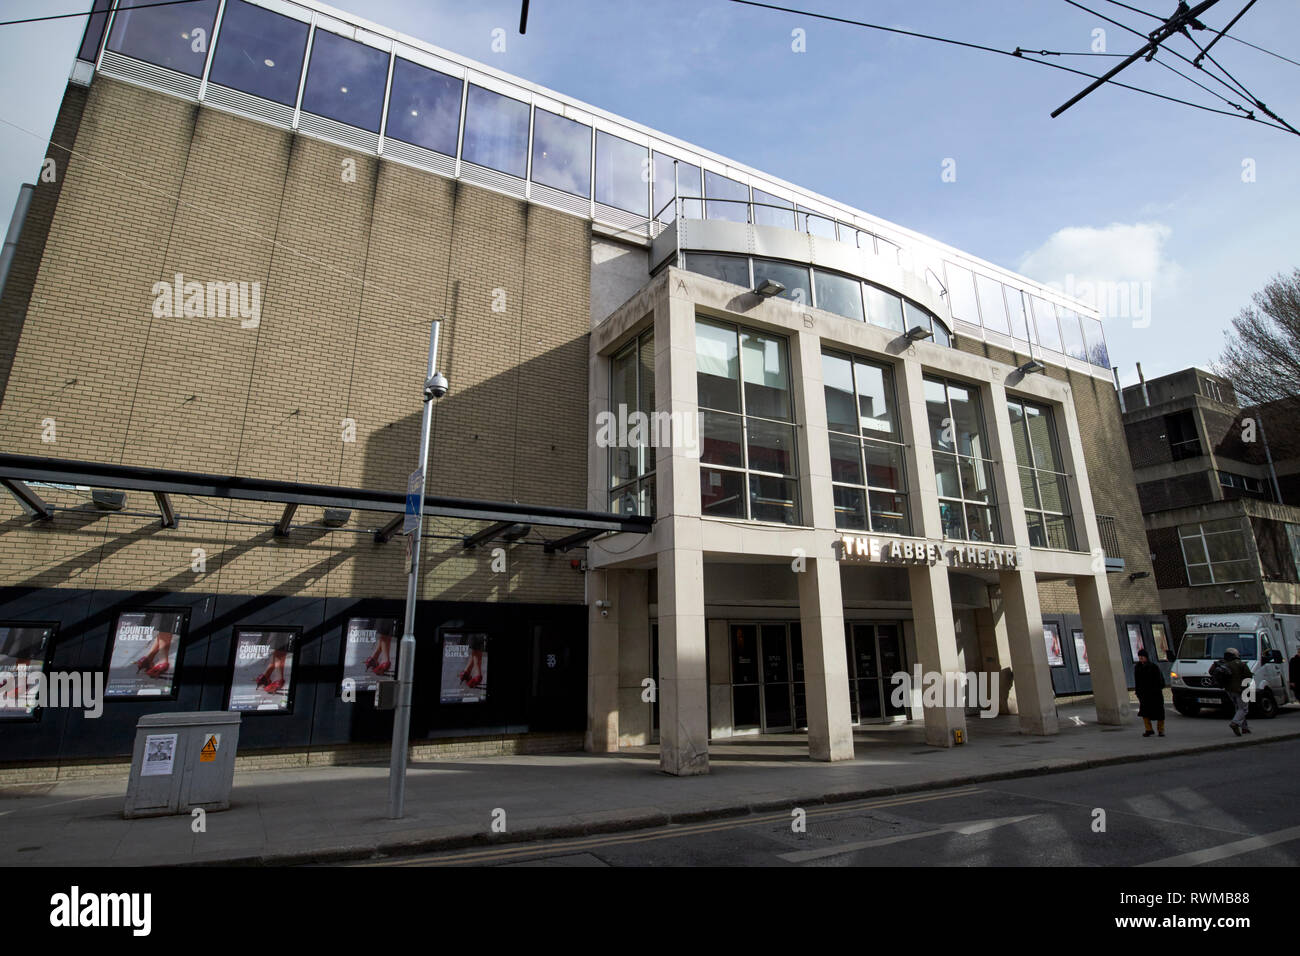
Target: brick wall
x=1180, y=491
x=1148, y=442
x=353, y=256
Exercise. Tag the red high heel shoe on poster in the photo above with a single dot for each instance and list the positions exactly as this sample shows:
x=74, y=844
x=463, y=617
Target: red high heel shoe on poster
x=144, y=663
x=372, y=661
x=474, y=681
x=383, y=668
x=274, y=686
x=264, y=679
x=158, y=670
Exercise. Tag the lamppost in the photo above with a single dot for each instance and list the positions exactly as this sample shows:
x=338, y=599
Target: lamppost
x=435, y=387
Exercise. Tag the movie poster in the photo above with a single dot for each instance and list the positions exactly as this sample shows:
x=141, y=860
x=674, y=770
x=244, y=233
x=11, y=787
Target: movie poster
x=1162, y=641
x=1081, y=652
x=1053, y=641
x=370, y=651
x=23, y=652
x=145, y=650
x=1135, y=640
x=464, y=668
x=263, y=675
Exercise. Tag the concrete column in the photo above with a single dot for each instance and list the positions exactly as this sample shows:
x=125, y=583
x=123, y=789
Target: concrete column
x=996, y=647
x=825, y=661
x=936, y=637
x=602, y=668
x=1109, y=687
x=632, y=606
x=936, y=645
x=1035, y=697
x=683, y=678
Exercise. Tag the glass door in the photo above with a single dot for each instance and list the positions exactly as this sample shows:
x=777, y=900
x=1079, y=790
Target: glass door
x=746, y=710
x=777, y=710
x=890, y=644
x=875, y=652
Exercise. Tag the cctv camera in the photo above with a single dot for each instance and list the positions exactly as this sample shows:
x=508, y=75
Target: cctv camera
x=436, y=386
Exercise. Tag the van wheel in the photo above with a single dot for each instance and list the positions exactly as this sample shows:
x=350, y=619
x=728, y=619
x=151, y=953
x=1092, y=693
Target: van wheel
x=1266, y=705
x=1187, y=710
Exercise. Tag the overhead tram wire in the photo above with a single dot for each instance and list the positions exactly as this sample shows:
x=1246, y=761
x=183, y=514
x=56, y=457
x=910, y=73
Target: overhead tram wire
x=1224, y=32
x=1235, y=87
x=91, y=13
x=1019, y=54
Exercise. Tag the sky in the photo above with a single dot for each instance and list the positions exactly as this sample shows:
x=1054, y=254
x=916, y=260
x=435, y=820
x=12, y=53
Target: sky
x=1169, y=216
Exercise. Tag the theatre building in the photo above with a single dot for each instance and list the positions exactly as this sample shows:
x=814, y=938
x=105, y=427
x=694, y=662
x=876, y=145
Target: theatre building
x=719, y=455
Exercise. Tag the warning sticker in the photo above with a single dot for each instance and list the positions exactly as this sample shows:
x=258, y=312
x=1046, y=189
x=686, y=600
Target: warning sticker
x=210, y=747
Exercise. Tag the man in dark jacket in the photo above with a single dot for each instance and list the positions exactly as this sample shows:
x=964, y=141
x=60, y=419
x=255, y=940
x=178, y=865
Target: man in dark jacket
x=1149, y=683
x=1294, y=676
x=1239, y=676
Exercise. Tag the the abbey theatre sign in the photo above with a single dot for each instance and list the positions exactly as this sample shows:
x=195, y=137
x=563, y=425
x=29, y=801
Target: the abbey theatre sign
x=862, y=549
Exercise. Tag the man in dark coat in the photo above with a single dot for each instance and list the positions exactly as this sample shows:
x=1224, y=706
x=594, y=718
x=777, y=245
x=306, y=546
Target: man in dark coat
x=1294, y=676
x=1239, y=675
x=1149, y=683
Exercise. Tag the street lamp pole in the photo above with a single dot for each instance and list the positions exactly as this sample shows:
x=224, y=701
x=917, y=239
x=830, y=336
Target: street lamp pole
x=435, y=386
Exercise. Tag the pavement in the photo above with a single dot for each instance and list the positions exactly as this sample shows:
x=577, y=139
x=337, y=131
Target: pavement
x=337, y=814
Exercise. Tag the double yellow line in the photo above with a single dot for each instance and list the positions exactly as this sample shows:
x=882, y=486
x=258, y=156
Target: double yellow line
x=670, y=832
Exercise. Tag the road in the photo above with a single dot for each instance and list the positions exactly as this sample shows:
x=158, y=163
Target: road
x=1222, y=808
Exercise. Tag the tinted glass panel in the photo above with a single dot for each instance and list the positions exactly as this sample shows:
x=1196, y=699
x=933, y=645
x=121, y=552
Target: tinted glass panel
x=722, y=493
x=1015, y=300
x=846, y=460
x=941, y=335
x=794, y=278
x=961, y=295
x=839, y=294
x=1095, y=342
x=688, y=182
x=770, y=446
x=773, y=499
x=718, y=187
x=165, y=36
x=561, y=153
x=837, y=375
x=991, y=305
x=767, y=383
x=884, y=308
x=721, y=437
x=875, y=400
x=345, y=81
x=259, y=52
x=496, y=131
x=733, y=269
x=94, y=35
x=850, y=509
x=1072, y=335
x=424, y=107
x=717, y=365
x=1049, y=337
x=766, y=216
x=620, y=176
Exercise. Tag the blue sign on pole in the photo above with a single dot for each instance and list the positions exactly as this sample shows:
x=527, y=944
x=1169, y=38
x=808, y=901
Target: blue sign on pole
x=414, y=488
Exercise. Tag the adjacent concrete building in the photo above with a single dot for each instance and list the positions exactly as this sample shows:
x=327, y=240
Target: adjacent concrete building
x=1220, y=491
x=721, y=455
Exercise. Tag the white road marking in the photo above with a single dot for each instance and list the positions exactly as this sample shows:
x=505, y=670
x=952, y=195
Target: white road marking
x=1225, y=850
x=965, y=828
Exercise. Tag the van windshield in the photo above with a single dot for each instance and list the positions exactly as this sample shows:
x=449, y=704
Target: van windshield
x=1210, y=647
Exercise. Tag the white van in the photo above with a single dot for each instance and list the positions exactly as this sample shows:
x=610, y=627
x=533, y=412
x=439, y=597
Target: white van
x=1264, y=642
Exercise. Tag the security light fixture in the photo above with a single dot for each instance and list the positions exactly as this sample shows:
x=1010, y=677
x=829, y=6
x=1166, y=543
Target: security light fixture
x=1138, y=575
x=1032, y=366
x=108, y=500
x=768, y=288
x=918, y=333
x=336, y=517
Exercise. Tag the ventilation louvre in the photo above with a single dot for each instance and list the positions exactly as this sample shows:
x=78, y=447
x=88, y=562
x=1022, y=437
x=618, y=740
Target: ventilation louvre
x=254, y=106
x=146, y=74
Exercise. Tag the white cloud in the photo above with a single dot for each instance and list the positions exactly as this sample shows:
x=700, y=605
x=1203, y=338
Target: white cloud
x=1116, y=253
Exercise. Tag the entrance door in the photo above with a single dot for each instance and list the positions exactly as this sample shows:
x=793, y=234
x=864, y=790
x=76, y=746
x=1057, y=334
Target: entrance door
x=875, y=652
x=766, y=678
x=777, y=710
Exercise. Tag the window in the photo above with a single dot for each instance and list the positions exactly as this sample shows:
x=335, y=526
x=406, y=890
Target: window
x=884, y=308
x=849, y=236
x=793, y=277
x=1095, y=342
x=733, y=269
x=165, y=36
x=345, y=81
x=867, y=457
x=747, y=448
x=1210, y=389
x=839, y=294
x=620, y=180
x=1180, y=429
x=1217, y=552
x=886, y=250
x=687, y=177
x=1072, y=335
x=1293, y=538
x=961, y=295
x=1042, y=481
x=561, y=153
x=815, y=224
x=765, y=215
x=992, y=305
x=632, y=455
x=1015, y=300
x=496, y=132
x=726, y=199
x=259, y=52
x=1049, y=336
x=914, y=315
x=962, y=469
x=424, y=108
